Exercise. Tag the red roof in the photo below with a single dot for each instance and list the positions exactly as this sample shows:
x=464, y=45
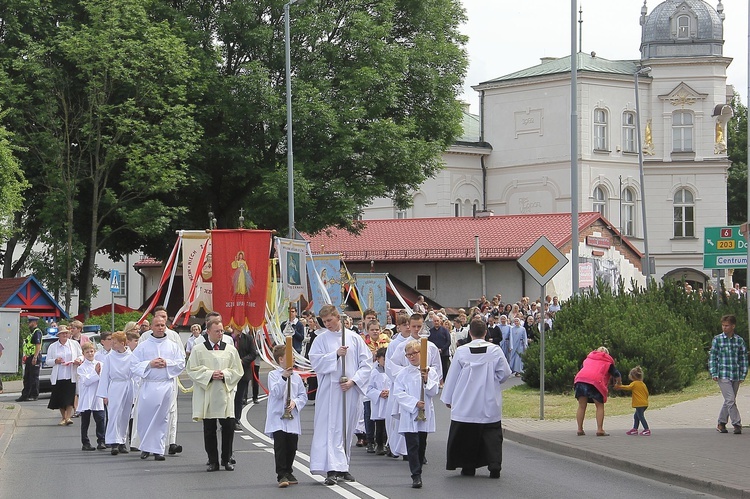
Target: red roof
x=147, y=262
x=504, y=237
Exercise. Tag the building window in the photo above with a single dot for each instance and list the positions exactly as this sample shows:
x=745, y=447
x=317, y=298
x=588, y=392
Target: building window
x=684, y=214
x=628, y=212
x=600, y=200
x=123, y=285
x=683, y=27
x=628, y=131
x=600, y=130
x=400, y=214
x=424, y=282
x=457, y=208
x=682, y=131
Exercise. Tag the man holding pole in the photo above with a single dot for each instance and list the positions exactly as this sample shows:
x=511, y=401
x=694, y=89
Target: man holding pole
x=472, y=392
x=341, y=361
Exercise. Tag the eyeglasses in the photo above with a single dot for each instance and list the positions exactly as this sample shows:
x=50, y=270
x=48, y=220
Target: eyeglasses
x=413, y=354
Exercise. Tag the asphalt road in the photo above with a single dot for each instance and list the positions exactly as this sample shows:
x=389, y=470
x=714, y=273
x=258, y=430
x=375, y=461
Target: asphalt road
x=45, y=460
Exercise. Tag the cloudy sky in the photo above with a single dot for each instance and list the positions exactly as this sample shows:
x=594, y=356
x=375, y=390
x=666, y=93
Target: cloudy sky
x=508, y=35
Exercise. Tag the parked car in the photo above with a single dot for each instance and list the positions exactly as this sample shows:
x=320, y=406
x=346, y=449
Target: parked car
x=46, y=372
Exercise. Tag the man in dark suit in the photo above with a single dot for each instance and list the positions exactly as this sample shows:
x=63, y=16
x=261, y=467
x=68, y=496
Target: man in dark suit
x=298, y=326
x=248, y=352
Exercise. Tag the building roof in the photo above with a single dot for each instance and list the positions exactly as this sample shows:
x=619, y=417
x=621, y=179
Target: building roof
x=452, y=238
x=586, y=62
x=28, y=294
x=470, y=126
x=147, y=262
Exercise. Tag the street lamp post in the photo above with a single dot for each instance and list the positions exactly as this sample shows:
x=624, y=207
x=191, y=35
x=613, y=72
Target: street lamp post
x=642, y=72
x=289, y=151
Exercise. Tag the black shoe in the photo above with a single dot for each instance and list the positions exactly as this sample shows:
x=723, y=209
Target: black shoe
x=722, y=428
x=122, y=449
x=174, y=449
x=737, y=429
x=424, y=461
x=213, y=467
x=255, y=401
x=468, y=471
x=380, y=451
x=416, y=482
x=232, y=460
x=88, y=447
x=284, y=482
x=159, y=457
x=360, y=442
x=21, y=399
x=237, y=427
x=371, y=448
x=134, y=449
x=75, y=414
x=331, y=479
x=31, y=399
x=391, y=454
x=346, y=476
x=404, y=458
x=144, y=455
x=100, y=446
x=291, y=479
x=114, y=451
x=228, y=466
x=495, y=474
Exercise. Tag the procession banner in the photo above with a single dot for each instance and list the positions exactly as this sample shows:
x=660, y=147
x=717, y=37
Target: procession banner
x=371, y=288
x=293, y=271
x=240, y=275
x=329, y=270
x=193, y=242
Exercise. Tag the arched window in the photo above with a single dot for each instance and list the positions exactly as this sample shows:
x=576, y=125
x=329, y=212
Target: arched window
x=683, y=27
x=600, y=130
x=628, y=131
x=628, y=212
x=684, y=213
x=600, y=200
x=682, y=131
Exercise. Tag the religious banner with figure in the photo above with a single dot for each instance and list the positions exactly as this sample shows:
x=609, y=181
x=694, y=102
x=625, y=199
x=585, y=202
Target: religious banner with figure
x=371, y=289
x=193, y=242
x=240, y=275
x=325, y=273
x=291, y=264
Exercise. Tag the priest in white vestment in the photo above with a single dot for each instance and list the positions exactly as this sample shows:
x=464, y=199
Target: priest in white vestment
x=337, y=403
x=215, y=368
x=157, y=363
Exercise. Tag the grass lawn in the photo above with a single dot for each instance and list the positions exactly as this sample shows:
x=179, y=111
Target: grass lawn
x=523, y=402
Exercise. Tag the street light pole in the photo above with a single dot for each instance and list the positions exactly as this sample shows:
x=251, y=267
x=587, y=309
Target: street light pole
x=642, y=72
x=289, y=150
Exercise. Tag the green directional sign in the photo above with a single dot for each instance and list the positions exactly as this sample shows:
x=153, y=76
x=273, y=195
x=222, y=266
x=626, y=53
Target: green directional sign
x=724, y=248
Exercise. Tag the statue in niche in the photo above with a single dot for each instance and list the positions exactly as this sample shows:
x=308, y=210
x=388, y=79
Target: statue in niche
x=720, y=146
x=648, y=146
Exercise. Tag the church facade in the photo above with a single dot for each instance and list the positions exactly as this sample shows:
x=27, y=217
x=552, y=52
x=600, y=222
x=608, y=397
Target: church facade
x=514, y=158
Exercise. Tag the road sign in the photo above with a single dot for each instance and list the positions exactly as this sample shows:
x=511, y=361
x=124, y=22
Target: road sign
x=542, y=260
x=724, y=248
x=114, y=281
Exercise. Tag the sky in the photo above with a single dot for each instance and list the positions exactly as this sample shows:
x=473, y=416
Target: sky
x=510, y=35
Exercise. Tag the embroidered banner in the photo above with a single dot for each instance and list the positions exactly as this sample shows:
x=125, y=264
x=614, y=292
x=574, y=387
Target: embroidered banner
x=193, y=242
x=329, y=276
x=371, y=288
x=240, y=275
x=293, y=271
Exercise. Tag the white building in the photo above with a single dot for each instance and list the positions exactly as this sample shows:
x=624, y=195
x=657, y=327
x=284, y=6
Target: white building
x=515, y=157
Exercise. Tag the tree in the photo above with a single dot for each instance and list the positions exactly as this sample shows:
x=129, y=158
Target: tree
x=374, y=105
x=737, y=152
x=12, y=182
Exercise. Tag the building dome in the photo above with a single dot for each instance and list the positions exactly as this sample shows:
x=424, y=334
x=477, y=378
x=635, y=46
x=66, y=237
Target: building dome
x=682, y=28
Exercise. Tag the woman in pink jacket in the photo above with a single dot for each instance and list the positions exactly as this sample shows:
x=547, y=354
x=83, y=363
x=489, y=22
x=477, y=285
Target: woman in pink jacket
x=591, y=384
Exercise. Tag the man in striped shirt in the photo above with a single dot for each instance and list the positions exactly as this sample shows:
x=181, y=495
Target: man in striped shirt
x=727, y=363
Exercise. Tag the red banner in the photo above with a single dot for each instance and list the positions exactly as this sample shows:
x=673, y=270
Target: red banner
x=240, y=275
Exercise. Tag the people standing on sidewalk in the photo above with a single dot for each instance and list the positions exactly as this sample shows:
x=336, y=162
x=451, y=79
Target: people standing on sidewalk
x=32, y=347
x=64, y=356
x=727, y=363
x=473, y=394
x=591, y=384
x=639, y=392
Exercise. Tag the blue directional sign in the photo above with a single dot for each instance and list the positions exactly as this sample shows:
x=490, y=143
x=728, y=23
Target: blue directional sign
x=114, y=281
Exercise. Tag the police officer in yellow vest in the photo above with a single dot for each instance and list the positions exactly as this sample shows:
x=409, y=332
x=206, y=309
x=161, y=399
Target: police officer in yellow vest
x=32, y=348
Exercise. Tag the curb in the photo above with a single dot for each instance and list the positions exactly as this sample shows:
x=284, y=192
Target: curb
x=660, y=475
x=8, y=421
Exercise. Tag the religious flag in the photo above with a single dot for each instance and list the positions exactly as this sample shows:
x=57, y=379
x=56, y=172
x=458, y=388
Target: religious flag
x=328, y=269
x=371, y=287
x=293, y=273
x=240, y=275
x=193, y=242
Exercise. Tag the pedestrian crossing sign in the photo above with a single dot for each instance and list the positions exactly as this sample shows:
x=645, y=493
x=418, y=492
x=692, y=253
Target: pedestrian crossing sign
x=114, y=281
